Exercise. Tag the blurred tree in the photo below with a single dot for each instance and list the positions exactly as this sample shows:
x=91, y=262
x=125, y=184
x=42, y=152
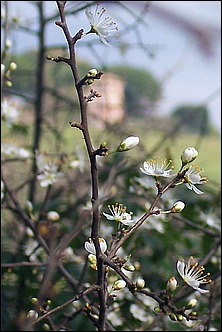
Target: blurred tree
x=142, y=89
x=194, y=118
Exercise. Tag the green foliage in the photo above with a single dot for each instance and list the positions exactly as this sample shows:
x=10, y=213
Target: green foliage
x=195, y=118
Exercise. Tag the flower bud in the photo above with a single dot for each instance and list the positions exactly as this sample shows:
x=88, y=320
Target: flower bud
x=46, y=327
x=53, y=216
x=171, y=285
x=92, y=72
x=8, y=43
x=119, y=284
x=180, y=318
x=188, y=155
x=93, y=267
x=8, y=84
x=29, y=206
x=177, y=207
x=157, y=310
x=140, y=283
x=191, y=304
x=92, y=259
x=128, y=143
x=2, y=69
x=173, y=317
x=12, y=66
x=129, y=267
x=34, y=300
x=32, y=314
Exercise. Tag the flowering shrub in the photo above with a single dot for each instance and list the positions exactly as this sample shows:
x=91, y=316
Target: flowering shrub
x=87, y=262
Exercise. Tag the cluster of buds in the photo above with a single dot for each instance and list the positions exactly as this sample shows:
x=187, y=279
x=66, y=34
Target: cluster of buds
x=6, y=75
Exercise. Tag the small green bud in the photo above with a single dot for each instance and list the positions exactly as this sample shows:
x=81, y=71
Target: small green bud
x=180, y=318
x=173, y=317
x=34, y=300
x=8, y=84
x=92, y=258
x=129, y=267
x=46, y=327
x=157, y=310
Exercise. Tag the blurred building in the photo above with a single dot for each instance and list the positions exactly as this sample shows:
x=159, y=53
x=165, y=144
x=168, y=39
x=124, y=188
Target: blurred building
x=110, y=107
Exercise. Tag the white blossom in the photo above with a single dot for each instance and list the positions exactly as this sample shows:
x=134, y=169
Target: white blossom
x=192, y=274
x=193, y=177
x=119, y=214
x=100, y=26
x=156, y=168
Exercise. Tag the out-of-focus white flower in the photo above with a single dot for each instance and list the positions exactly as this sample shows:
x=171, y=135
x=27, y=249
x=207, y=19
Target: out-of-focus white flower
x=80, y=162
x=118, y=285
x=2, y=69
x=113, y=317
x=193, y=177
x=8, y=43
x=53, y=216
x=49, y=170
x=191, y=303
x=32, y=249
x=9, y=113
x=13, y=151
x=140, y=283
x=68, y=255
x=89, y=245
x=138, y=312
x=193, y=275
x=157, y=169
x=128, y=143
x=188, y=155
x=32, y=314
x=50, y=175
x=12, y=66
x=100, y=26
x=119, y=214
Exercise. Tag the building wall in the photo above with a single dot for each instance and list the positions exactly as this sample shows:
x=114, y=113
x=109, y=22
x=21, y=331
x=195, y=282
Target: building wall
x=110, y=107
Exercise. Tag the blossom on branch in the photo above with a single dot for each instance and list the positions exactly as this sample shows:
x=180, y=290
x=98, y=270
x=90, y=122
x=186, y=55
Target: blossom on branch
x=128, y=143
x=119, y=214
x=100, y=26
x=193, y=275
x=193, y=177
x=188, y=155
x=49, y=175
x=156, y=168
